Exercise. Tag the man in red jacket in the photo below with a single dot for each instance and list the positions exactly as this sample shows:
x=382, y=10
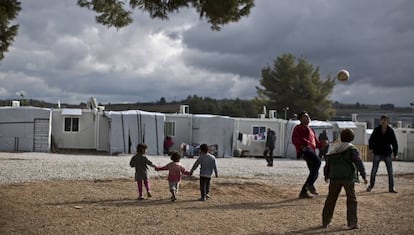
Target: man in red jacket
x=306, y=142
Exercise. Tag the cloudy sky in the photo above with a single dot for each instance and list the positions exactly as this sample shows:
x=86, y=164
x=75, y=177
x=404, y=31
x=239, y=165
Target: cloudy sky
x=61, y=54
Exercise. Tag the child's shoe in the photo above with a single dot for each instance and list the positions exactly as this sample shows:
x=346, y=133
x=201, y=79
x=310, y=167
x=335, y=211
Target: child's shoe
x=149, y=194
x=353, y=226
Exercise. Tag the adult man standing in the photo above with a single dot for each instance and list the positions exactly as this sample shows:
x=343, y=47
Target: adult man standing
x=270, y=146
x=306, y=142
x=380, y=143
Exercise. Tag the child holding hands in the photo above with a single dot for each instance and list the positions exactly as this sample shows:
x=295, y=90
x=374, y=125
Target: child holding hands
x=176, y=170
x=141, y=163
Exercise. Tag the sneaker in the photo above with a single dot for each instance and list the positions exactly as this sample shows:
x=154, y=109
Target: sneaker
x=393, y=191
x=325, y=225
x=202, y=199
x=354, y=226
x=369, y=188
x=149, y=194
x=207, y=196
x=173, y=199
x=140, y=198
x=304, y=196
x=312, y=189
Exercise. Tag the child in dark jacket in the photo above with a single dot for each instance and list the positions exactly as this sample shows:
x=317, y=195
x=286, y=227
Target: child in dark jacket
x=340, y=170
x=141, y=163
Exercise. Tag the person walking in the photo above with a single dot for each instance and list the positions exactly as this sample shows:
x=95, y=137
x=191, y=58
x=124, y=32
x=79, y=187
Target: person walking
x=323, y=136
x=168, y=143
x=305, y=141
x=382, y=143
x=207, y=164
x=270, y=146
x=140, y=162
x=342, y=164
x=175, y=171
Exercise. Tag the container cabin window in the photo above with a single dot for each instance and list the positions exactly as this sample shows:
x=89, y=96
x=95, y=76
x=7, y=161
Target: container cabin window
x=259, y=133
x=169, y=129
x=71, y=124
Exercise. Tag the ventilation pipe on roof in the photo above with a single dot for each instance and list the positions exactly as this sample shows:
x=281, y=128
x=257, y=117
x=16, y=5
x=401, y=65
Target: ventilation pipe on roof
x=355, y=117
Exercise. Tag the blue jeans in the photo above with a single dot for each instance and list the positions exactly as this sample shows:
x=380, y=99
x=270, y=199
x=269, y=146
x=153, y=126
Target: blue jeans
x=314, y=163
x=388, y=163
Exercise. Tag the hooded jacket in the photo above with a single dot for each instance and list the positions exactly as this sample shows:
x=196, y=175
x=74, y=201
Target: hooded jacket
x=343, y=163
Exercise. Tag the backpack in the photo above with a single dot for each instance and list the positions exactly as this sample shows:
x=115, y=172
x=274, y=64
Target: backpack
x=341, y=166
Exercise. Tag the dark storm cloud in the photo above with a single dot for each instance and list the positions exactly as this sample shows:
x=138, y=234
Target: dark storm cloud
x=60, y=52
x=373, y=39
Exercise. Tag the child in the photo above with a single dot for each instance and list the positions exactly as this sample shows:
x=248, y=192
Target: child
x=141, y=163
x=341, y=168
x=174, y=175
x=208, y=165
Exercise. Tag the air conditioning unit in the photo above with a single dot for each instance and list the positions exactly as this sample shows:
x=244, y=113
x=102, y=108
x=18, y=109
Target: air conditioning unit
x=272, y=114
x=15, y=103
x=184, y=109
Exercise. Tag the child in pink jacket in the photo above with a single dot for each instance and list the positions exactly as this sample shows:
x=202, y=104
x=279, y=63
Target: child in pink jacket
x=176, y=170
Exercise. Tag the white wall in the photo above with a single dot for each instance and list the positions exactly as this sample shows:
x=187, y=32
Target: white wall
x=405, y=138
x=25, y=129
x=82, y=139
x=183, y=129
x=256, y=147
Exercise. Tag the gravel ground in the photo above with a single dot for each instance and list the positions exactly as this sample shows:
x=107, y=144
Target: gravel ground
x=30, y=167
x=88, y=194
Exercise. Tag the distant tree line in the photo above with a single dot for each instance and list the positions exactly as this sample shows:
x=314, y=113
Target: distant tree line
x=206, y=105
x=225, y=107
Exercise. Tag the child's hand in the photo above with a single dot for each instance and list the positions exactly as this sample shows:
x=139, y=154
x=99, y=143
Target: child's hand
x=365, y=181
x=157, y=168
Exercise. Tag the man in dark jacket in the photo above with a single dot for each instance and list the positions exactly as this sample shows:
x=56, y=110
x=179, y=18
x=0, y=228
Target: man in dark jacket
x=270, y=146
x=323, y=137
x=380, y=143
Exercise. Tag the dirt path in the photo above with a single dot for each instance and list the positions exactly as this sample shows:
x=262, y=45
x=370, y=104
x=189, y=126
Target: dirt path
x=237, y=206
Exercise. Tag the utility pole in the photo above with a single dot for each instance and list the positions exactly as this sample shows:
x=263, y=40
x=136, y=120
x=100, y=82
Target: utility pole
x=286, y=109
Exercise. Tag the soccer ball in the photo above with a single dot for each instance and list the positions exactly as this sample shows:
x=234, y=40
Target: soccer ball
x=343, y=75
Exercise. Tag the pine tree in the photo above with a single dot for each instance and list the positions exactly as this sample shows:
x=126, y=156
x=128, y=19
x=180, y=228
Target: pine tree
x=9, y=9
x=294, y=85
